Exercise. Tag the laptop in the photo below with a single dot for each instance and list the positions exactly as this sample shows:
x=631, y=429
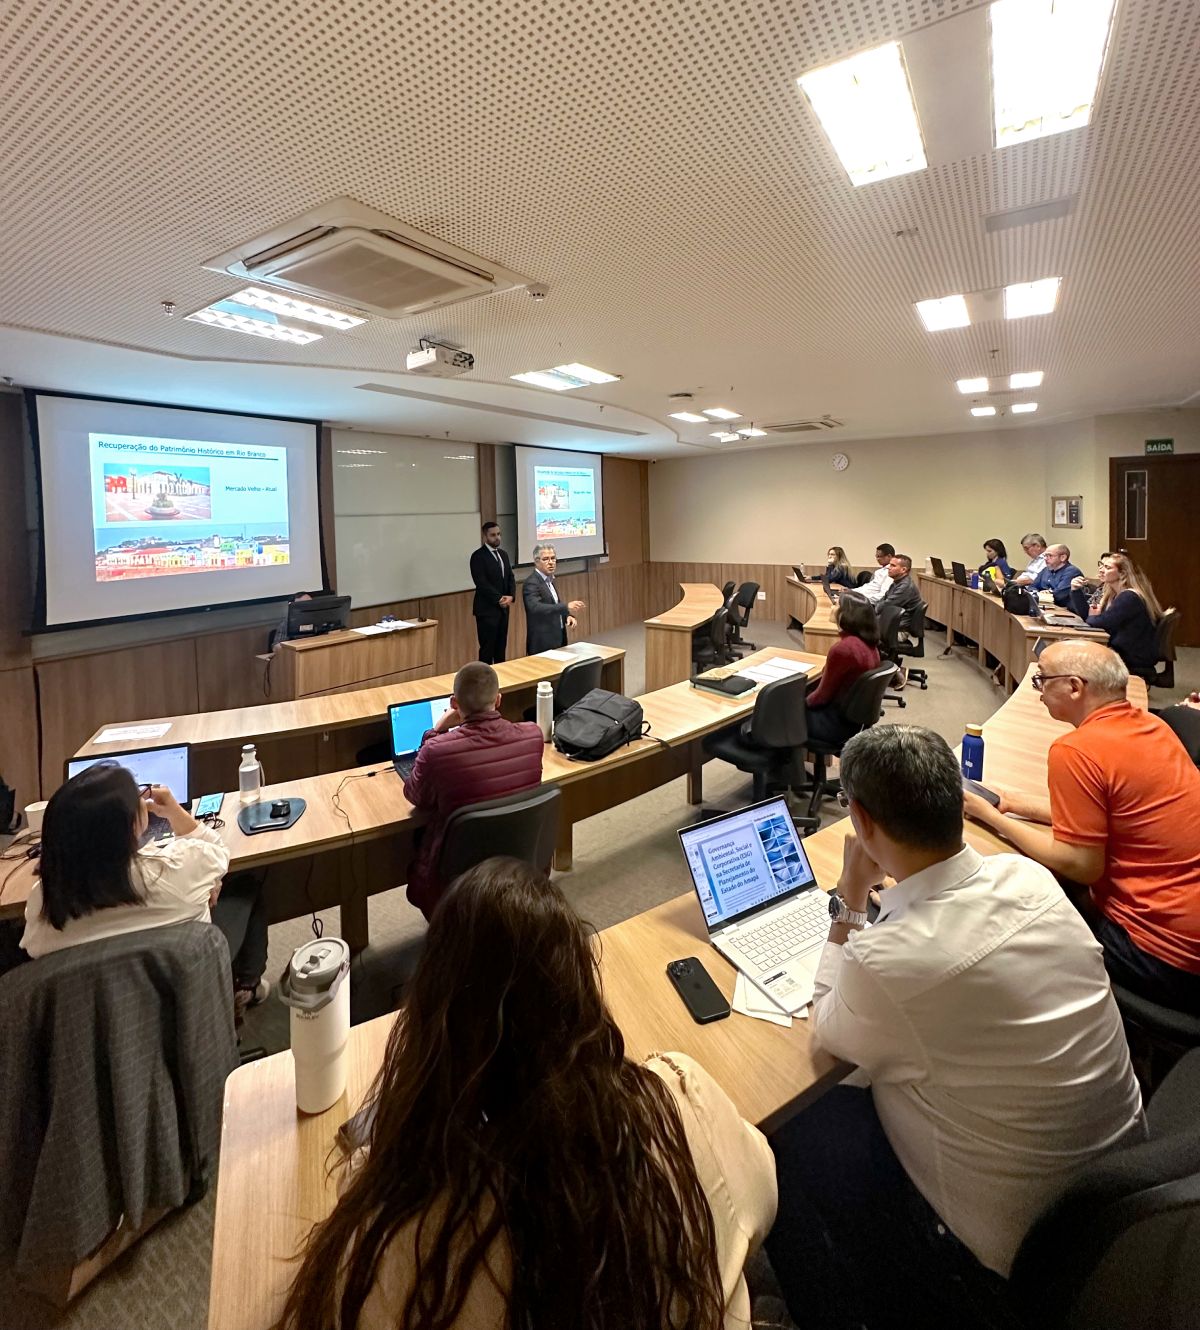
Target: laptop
x=764, y=911
x=939, y=568
x=407, y=723
x=148, y=766
x=960, y=572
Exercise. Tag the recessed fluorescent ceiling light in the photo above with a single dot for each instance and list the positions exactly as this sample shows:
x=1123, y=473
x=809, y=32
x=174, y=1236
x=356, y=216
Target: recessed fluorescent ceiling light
x=949, y=312
x=1026, y=298
x=1023, y=408
x=972, y=385
x=563, y=377
x=983, y=410
x=1046, y=59
x=690, y=416
x=721, y=413
x=256, y=322
x=725, y=437
x=1030, y=380
x=865, y=106
x=275, y=302
x=752, y=433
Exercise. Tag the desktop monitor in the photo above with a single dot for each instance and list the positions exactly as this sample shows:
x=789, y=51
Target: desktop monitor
x=317, y=615
x=147, y=766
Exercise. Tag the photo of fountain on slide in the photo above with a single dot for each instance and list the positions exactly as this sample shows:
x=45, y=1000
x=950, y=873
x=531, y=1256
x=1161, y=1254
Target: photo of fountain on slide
x=145, y=494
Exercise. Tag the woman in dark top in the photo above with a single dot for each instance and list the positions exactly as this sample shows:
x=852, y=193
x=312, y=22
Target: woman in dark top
x=997, y=557
x=1129, y=613
x=837, y=570
x=855, y=652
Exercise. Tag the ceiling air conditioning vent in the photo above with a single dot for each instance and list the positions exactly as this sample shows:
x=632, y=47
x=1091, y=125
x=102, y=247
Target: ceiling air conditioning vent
x=804, y=426
x=356, y=257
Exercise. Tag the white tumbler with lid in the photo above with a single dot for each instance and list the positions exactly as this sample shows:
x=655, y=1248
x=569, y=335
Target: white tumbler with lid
x=317, y=989
x=545, y=710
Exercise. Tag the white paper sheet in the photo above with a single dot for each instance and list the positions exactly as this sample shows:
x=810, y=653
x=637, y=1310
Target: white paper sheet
x=120, y=734
x=558, y=655
x=372, y=629
x=777, y=667
x=752, y=1001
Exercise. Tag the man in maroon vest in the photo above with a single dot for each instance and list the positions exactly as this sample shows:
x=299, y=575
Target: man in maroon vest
x=471, y=754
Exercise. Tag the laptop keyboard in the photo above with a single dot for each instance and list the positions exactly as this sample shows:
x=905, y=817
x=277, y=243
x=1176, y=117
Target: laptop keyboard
x=404, y=766
x=777, y=940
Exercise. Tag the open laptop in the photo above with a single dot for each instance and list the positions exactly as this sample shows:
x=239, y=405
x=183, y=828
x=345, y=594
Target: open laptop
x=148, y=766
x=939, y=568
x=764, y=911
x=960, y=572
x=407, y=723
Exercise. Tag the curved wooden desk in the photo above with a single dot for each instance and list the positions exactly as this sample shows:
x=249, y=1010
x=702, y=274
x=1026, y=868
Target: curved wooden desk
x=809, y=608
x=273, y=1183
x=669, y=635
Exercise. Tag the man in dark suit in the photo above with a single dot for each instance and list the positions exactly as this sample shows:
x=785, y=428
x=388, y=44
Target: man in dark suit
x=495, y=590
x=547, y=618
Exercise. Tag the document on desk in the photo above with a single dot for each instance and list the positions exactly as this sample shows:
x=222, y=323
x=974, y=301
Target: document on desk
x=558, y=655
x=123, y=734
x=752, y=1001
x=373, y=629
x=778, y=667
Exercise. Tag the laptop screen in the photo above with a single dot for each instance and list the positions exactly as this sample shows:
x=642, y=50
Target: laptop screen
x=743, y=860
x=410, y=720
x=151, y=766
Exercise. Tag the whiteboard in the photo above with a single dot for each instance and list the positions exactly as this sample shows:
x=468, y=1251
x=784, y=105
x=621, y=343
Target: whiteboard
x=406, y=515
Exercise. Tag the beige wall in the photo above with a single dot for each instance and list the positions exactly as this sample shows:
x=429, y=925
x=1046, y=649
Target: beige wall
x=942, y=495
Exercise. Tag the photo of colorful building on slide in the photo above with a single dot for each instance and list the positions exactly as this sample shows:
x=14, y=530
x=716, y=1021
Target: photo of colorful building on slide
x=148, y=494
x=159, y=553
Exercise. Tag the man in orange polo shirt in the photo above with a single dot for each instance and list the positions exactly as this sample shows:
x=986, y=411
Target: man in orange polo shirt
x=1124, y=818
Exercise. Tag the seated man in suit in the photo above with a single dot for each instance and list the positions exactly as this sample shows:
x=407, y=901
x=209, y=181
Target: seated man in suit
x=547, y=618
x=495, y=591
x=472, y=754
x=1123, y=818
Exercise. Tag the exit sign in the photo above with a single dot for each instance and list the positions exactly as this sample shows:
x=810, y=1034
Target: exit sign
x=1159, y=446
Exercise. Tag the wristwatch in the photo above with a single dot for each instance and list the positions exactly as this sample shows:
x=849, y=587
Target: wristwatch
x=841, y=913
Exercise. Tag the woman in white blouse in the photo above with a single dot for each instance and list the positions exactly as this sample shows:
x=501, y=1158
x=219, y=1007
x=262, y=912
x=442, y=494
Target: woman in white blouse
x=96, y=880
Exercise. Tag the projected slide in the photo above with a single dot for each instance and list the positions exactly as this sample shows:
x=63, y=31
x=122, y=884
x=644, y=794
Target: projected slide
x=161, y=507
x=566, y=501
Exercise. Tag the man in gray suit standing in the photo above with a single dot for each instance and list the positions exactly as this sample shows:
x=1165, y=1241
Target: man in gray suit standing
x=547, y=618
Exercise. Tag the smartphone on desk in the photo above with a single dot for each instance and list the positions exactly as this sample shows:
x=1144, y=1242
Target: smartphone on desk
x=208, y=805
x=695, y=987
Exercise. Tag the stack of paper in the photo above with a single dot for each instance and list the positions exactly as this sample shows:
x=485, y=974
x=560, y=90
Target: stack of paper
x=752, y=1001
x=557, y=655
x=778, y=667
x=392, y=626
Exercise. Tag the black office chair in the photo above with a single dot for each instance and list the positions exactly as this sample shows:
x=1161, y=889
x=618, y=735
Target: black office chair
x=1167, y=1034
x=770, y=745
x=1120, y=1248
x=576, y=681
x=523, y=826
x=727, y=591
x=711, y=645
x=895, y=648
x=1164, y=650
x=862, y=708
x=1185, y=721
x=740, y=609
x=863, y=578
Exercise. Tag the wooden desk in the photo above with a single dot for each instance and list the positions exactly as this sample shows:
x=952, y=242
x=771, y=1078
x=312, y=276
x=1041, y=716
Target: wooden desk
x=982, y=619
x=311, y=735
x=669, y=635
x=337, y=662
x=808, y=607
x=273, y=1185
x=366, y=846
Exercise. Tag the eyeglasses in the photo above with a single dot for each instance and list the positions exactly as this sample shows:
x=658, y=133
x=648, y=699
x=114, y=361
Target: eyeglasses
x=1041, y=680
x=144, y=790
x=843, y=799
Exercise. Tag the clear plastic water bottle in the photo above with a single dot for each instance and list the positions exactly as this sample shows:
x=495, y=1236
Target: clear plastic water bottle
x=972, y=752
x=249, y=775
x=545, y=710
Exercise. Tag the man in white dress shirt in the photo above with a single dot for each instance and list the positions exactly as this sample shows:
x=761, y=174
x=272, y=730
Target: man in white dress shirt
x=979, y=1009
x=877, y=587
x=1035, y=547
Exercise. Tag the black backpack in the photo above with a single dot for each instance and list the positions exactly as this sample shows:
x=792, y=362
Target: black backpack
x=1017, y=599
x=598, y=724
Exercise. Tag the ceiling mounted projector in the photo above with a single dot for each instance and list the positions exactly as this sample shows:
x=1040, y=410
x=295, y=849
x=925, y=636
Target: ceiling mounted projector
x=441, y=362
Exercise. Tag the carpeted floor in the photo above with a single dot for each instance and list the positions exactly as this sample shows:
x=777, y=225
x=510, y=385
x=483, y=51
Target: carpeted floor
x=626, y=860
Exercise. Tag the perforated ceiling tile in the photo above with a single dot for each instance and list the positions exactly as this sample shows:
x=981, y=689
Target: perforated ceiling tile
x=654, y=162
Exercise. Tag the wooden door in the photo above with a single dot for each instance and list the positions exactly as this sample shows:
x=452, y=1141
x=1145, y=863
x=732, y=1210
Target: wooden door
x=1154, y=514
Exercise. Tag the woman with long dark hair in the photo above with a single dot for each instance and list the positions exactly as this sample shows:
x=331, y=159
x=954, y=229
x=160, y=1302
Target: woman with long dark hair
x=97, y=879
x=997, y=558
x=519, y=1169
x=855, y=651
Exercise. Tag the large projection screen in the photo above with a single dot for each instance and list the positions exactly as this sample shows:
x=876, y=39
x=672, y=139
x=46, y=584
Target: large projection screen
x=560, y=502
x=157, y=509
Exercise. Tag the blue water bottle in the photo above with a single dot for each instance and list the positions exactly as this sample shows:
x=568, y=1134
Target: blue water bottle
x=972, y=752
